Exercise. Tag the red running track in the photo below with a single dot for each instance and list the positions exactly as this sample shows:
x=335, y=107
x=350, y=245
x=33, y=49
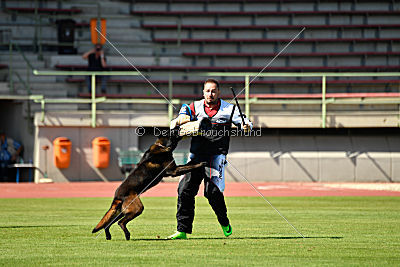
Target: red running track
x=104, y=189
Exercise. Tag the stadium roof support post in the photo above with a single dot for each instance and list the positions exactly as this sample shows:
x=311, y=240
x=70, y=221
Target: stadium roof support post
x=170, y=90
x=323, y=101
x=42, y=106
x=35, y=35
x=10, y=67
x=40, y=48
x=247, y=93
x=399, y=117
x=93, y=84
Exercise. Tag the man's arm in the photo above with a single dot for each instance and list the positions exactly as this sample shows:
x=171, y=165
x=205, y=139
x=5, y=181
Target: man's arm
x=103, y=59
x=86, y=55
x=185, y=115
x=237, y=120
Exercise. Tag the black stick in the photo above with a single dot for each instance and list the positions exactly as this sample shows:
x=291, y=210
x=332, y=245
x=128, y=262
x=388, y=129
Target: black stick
x=237, y=104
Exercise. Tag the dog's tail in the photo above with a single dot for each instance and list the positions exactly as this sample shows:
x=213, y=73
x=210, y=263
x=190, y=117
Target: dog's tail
x=109, y=216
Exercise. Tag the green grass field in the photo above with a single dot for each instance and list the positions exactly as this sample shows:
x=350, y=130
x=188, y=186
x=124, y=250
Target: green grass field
x=339, y=231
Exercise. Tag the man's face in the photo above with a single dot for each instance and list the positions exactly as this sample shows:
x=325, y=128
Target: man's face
x=211, y=93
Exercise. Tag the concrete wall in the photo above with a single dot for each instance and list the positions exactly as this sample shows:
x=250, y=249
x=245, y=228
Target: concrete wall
x=316, y=158
x=310, y=158
x=81, y=166
x=118, y=128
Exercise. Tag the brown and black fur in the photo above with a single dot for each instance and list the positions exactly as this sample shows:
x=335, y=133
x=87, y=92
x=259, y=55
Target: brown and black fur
x=156, y=163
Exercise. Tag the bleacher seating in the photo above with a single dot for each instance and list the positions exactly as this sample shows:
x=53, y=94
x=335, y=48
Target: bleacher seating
x=240, y=36
x=316, y=54
x=269, y=27
x=44, y=10
x=274, y=40
x=252, y=1
x=266, y=13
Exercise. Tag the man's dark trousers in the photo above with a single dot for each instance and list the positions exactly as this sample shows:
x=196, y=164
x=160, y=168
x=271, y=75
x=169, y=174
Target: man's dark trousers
x=187, y=190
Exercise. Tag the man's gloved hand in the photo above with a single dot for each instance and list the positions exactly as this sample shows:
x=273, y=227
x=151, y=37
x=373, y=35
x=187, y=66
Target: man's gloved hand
x=181, y=119
x=246, y=128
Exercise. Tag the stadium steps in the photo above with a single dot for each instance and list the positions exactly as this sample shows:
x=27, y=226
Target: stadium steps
x=271, y=18
x=18, y=61
x=116, y=62
x=107, y=7
x=273, y=31
x=127, y=35
x=257, y=5
x=118, y=33
x=43, y=85
x=4, y=88
x=140, y=49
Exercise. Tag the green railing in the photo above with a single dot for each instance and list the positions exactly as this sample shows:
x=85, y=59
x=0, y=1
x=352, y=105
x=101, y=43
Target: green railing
x=170, y=101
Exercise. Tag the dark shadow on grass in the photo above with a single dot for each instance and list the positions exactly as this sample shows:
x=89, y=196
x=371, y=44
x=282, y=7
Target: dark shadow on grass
x=243, y=238
x=36, y=226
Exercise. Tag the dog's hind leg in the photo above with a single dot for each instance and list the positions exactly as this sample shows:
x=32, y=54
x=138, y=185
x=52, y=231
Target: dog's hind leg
x=107, y=228
x=109, y=218
x=132, y=207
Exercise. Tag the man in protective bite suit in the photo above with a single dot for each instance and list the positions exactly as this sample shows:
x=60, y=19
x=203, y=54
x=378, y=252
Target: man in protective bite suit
x=211, y=147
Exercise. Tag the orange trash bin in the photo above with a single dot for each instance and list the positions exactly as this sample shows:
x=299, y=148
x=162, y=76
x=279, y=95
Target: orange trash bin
x=101, y=152
x=62, y=152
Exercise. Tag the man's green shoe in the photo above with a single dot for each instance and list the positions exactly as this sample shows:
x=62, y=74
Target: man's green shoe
x=227, y=230
x=178, y=235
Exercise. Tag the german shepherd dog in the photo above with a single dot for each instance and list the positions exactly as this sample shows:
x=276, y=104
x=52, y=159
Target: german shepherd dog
x=156, y=163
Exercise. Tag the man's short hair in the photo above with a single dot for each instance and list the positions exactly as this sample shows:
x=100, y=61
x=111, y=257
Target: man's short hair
x=210, y=80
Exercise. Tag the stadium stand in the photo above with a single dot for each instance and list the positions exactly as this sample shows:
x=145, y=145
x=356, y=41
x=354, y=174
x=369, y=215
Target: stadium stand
x=228, y=36
x=43, y=10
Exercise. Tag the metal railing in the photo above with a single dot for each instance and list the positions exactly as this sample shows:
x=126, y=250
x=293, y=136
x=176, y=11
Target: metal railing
x=323, y=101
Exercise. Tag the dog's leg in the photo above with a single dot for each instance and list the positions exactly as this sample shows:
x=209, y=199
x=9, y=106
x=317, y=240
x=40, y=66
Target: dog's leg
x=107, y=228
x=182, y=169
x=109, y=218
x=132, y=207
x=107, y=231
